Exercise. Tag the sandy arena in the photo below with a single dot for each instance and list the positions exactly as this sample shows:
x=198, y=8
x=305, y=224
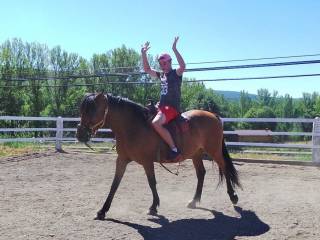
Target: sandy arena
x=56, y=196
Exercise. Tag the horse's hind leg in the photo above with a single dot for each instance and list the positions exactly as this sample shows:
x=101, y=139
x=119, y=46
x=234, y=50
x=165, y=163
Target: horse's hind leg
x=120, y=169
x=232, y=194
x=149, y=169
x=227, y=170
x=200, y=171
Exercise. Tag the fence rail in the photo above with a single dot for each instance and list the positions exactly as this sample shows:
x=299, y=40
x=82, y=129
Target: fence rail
x=59, y=130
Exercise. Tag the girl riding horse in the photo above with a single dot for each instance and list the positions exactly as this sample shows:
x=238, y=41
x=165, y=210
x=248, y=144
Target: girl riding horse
x=136, y=140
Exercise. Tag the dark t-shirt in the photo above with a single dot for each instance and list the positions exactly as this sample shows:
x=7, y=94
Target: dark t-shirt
x=170, y=89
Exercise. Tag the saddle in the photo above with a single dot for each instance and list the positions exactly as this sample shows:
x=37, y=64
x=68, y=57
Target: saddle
x=176, y=127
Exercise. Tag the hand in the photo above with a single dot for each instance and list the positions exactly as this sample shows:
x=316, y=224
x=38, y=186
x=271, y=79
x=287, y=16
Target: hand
x=145, y=47
x=174, y=45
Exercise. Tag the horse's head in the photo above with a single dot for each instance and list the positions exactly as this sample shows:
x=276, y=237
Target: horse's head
x=93, y=111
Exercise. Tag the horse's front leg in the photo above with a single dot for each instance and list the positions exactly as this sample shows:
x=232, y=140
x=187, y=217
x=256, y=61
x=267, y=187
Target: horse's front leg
x=149, y=169
x=120, y=169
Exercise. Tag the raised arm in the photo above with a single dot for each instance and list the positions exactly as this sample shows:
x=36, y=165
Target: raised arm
x=146, y=66
x=182, y=65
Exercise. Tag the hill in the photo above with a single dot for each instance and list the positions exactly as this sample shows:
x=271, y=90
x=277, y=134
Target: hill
x=233, y=96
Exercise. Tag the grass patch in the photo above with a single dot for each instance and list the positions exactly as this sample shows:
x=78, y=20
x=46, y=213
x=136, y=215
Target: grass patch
x=99, y=147
x=18, y=148
x=271, y=153
x=266, y=156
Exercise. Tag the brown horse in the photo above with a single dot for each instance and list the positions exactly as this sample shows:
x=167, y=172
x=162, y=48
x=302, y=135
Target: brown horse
x=137, y=141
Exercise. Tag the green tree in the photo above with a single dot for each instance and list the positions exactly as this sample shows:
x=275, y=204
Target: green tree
x=189, y=93
x=63, y=64
x=262, y=112
x=125, y=60
x=11, y=94
x=317, y=107
x=100, y=63
x=36, y=67
x=245, y=103
x=264, y=97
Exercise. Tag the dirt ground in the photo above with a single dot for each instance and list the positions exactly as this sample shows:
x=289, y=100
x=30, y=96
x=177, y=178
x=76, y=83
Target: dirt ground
x=56, y=196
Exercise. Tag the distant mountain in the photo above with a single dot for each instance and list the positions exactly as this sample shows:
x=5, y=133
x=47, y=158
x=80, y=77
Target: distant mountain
x=232, y=95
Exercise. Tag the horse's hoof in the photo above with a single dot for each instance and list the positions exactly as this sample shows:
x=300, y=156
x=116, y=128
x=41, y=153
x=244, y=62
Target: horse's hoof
x=192, y=204
x=153, y=212
x=100, y=216
x=234, y=199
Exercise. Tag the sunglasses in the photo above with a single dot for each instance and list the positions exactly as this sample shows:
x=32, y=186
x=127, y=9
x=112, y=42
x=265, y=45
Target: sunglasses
x=164, y=63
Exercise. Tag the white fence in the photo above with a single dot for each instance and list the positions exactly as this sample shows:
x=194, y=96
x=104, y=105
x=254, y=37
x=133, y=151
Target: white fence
x=59, y=132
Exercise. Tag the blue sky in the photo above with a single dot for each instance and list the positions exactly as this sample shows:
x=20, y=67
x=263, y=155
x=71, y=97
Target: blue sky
x=209, y=31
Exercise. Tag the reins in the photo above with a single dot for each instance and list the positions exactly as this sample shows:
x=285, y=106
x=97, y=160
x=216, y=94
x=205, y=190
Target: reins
x=176, y=173
x=87, y=144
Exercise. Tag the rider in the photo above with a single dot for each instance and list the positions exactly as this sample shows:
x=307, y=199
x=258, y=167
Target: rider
x=169, y=106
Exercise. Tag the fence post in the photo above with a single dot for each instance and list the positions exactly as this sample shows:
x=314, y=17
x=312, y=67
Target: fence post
x=316, y=141
x=59, y=134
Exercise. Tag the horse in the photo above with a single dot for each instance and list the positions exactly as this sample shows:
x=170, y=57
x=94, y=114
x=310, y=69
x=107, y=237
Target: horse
x=136, y=140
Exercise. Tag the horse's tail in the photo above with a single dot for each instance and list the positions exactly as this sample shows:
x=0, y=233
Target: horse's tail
x=230, y=171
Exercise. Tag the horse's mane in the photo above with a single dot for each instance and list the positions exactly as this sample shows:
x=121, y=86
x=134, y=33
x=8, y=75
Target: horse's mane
x=127, y=105
x=88, y=106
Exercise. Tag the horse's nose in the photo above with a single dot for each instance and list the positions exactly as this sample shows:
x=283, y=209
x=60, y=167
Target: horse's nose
x=82, y=134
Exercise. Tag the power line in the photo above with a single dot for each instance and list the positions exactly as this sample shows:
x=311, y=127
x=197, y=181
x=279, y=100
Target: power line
x=230, y=60
x=189, y=63
x=63, y=74
x=277, y=64
x=157, y=83
x=81, y=85
x=68, y=77
x=129, y=74
x=254, y=59
x=256, y=78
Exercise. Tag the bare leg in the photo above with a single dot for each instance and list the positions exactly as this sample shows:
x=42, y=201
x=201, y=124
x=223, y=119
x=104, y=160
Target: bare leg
x=120, y=169
x=157, y=124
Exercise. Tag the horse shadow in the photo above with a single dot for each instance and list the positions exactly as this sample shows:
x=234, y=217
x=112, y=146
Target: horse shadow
x=220, y=227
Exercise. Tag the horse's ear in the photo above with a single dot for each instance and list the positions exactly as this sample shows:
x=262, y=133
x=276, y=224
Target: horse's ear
x=99, y=92
x=100, y=95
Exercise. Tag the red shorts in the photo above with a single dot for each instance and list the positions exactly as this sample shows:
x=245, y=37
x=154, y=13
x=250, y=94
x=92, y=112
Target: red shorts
x=169, y=112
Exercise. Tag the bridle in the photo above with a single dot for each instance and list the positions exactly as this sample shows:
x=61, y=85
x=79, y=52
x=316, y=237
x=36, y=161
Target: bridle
x=99, y=124
x=93, y=130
